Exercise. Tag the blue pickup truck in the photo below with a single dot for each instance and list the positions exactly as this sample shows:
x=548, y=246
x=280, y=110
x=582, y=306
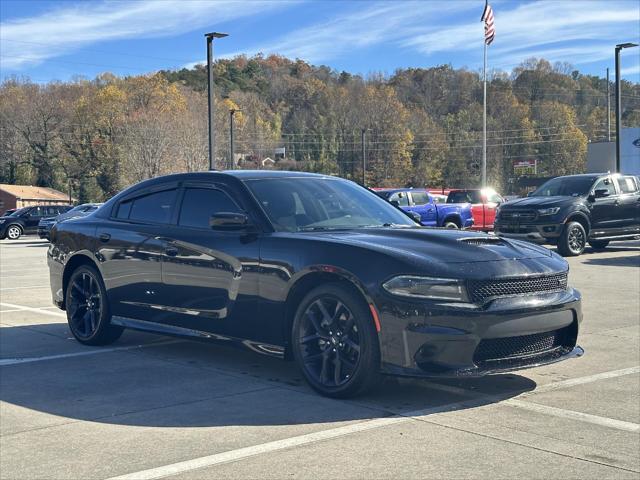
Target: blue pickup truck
x=432, y=214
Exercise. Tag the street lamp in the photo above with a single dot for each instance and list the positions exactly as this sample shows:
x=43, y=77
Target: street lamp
x=210, y=37
x=232, y=112
x=618, y=100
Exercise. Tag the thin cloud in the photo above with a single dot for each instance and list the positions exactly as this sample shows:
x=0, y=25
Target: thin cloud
x=72, y=27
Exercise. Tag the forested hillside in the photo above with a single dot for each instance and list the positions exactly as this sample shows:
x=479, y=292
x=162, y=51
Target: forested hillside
x=422, y=126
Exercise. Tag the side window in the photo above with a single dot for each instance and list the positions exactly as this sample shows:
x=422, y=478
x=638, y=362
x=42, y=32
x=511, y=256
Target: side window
x=605, y=184
x=153, y=208
x=36, y=211
x=420, y=198
x=401, y=198
x=627, y=184
x=199, y=204
x=494, y=198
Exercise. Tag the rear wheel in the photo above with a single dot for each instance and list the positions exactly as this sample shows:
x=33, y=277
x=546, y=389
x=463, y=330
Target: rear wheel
x=88, y=308
x=573, y=240
x=451, y=224
x=335, y=343
x=13, y=232
x=599, y=244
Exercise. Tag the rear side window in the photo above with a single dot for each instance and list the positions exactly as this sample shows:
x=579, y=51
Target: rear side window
x=420, y=198
x=153, y=208
x=199, y=204
x=627, y=184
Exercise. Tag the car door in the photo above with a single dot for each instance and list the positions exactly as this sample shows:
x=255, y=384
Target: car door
x=605, y=211
x=422, y=204
x=210, y=275
x=32, y=219
x=629, y=203
x=130, y=248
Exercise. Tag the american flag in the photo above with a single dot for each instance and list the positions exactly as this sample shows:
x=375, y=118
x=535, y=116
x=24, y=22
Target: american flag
x=489, y=27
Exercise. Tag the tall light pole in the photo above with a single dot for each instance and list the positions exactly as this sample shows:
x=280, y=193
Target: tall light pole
x=364, y=157
x=232, y=112
x=211, y=101
x=619, y=47
x=608, y=108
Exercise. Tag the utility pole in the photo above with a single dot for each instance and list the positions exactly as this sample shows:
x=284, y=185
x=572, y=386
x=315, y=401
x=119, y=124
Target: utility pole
x=231, y=145
x=210, y=97
x=619, y=101
x=364, y=157
x=608, y=109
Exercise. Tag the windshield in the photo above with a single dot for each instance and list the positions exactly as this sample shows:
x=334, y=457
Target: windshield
x=19, y=212
x=464, y=196
x=565, y=187
x=302, y=204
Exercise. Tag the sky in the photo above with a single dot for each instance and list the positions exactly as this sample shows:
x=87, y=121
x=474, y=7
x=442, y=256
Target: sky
x=63, y=39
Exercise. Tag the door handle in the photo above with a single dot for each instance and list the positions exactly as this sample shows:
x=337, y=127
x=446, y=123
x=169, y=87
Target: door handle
x=104, y=237
x=171, y=251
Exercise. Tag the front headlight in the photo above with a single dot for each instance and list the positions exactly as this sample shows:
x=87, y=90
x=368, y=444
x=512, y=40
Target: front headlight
x=427, y=287
x=548, y=211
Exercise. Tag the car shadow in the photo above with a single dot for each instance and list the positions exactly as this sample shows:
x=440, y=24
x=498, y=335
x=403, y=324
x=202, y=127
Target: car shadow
x=194, y=384
x=626, y=261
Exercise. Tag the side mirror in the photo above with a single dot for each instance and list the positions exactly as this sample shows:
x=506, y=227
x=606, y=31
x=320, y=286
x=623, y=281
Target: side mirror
x=228, y=221
x=601, y=193
x=415, y=216
x=395, y=203
x=529, y=194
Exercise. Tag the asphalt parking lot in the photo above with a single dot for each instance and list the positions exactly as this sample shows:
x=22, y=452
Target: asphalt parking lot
x=155, y=407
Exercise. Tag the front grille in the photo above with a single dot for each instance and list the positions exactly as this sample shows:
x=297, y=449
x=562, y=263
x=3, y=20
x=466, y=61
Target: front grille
x=509, y=348
x=517, y=215
x=482, y=290
x=516, y=229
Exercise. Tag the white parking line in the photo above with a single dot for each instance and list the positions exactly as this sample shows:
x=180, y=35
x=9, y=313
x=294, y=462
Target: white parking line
x=17, y=361
x=23, y=310
x=572, y=382
x=242, y=453
x=33, y=309
x=23, y=288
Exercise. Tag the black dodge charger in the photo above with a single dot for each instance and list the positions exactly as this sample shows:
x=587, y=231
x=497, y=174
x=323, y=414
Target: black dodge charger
x=311, y=268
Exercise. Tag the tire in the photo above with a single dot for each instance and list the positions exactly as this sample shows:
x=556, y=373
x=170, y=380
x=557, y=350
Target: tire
x=598, y=244
x=451, y=224
x=333, y=366
x=13, y=232
x=573, y=240
x=89, y=325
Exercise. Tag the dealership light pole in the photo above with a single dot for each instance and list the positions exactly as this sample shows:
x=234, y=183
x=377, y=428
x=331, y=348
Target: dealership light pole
x=364, y=157
x=619, y=47
x=608, y=108
x=232, y=112
x=211, y=101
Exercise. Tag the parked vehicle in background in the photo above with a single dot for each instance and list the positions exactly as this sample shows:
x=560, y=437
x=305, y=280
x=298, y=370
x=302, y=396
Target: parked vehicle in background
x=44, y=226
x=484, y=203
x=573, y=210
x=432, y=214
x=438, y=197
x=312, y=268
x=25, y=220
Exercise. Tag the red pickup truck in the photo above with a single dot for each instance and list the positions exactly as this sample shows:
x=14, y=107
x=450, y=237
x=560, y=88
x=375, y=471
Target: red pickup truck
x=484, y=203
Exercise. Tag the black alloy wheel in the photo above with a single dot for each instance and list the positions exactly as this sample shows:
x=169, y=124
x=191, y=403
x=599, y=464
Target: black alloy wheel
x=335, y=342
x=573, y=240
x=88, y=308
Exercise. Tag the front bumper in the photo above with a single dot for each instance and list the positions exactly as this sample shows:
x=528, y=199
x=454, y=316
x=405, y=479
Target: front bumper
x=461, y=341
x=537, y=233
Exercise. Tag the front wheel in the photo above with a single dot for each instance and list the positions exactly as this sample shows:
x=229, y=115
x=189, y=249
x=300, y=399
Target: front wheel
x=335, y=343
x=451, y=224
x=599, y=244
x=13, y=232
x=88, y=308
x=573, y=240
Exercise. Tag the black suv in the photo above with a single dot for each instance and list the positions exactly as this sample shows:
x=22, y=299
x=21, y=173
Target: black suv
x=573, y=210
x=25, y=220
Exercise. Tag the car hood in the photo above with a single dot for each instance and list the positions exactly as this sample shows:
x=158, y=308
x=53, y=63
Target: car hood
x=540, y=202
x=441, y=246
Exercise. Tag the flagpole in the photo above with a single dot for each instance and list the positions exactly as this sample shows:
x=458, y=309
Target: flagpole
x=484, y=120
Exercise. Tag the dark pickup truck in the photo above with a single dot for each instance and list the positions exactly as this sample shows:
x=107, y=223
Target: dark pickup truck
x=432, y=214
x=575, y=210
